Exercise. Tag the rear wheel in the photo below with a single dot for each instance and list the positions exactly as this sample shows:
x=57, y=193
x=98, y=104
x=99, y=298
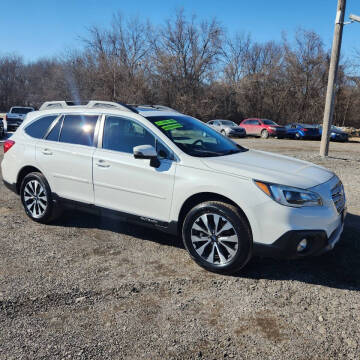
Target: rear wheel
x=265, y=134
x=37, y=199
x=217, y=237
x=297, y=136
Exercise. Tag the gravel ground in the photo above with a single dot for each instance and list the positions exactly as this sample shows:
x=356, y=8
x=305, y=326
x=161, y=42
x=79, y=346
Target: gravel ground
x=91, y=288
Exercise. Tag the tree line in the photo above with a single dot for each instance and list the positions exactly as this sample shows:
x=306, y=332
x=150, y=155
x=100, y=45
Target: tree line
x=193, y=66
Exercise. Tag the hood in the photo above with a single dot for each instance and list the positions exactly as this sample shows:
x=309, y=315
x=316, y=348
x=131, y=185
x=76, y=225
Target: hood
x=271, y=167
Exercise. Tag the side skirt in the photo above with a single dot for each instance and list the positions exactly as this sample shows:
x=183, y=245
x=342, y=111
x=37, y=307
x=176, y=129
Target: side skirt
x=168, y=227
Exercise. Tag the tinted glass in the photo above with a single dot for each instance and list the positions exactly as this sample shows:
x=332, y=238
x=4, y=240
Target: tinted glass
x=21, y=110
x=194, y=137
x=228, y=123
x=55, y=131
x=269, y=122
x=38, y=128
x=123, y=135
x=78, y=129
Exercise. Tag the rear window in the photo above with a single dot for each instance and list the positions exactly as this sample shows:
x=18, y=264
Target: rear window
x=21, y=110
x=55, y=131
x=39, y=127
x=78, y=129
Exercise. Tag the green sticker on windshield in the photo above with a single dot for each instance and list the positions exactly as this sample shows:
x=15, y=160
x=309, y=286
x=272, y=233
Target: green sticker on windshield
x=169, y=124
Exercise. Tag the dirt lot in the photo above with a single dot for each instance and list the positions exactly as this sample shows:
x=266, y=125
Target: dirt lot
x=91, y=288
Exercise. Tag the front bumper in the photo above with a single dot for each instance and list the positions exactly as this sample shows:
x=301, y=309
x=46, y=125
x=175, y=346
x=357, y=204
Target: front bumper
x=286, y=246
x=322, y=226
x=238, y=134
x=277, y=133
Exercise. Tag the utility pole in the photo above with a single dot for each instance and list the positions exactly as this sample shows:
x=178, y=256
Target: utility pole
x=333, y=70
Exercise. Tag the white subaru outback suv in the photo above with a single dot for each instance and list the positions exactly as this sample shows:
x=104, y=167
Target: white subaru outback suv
x=156, y=166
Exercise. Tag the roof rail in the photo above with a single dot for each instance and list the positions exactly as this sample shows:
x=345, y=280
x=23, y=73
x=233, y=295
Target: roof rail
x=88, y=104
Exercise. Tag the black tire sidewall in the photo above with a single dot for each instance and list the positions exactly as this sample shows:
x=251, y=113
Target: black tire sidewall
x=244, y=251
x=50, y=206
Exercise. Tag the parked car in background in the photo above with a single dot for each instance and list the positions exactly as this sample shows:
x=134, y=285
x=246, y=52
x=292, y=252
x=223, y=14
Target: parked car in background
x=174, y=173
x=336, y=134
x=16, y=116
x=2, y=129
x=227, y=128
x=263, y=127
x=303, y=131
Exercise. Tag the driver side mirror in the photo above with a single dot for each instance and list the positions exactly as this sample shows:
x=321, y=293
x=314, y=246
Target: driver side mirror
x=147, y=152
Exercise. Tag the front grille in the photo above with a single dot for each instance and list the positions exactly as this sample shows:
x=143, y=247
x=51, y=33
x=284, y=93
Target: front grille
x=338, y=196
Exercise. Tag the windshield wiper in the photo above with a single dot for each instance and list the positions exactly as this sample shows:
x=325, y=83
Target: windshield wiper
x=232, y=151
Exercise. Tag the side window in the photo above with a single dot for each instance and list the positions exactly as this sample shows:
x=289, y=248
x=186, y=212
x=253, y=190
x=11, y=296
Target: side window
x=39, y=127
x=163, y=152
x=78, y=129
x=123, y=135
x=256, y=122
x=55, y=131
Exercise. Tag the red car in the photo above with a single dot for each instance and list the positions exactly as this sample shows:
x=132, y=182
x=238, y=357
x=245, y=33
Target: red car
x=263, y=127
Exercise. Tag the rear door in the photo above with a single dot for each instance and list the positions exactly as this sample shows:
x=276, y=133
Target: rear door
x=131, y=185
x=249, y=127
x=257, y=127
x=65, y=156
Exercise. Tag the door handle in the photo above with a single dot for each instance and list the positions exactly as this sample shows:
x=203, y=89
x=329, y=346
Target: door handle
x=46, y=152
x=102, y=163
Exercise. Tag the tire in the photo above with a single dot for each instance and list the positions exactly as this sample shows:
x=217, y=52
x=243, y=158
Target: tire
x=223, y=132
x=264, y=134
x=297, y=136
x=37, y=199
x=219, y=256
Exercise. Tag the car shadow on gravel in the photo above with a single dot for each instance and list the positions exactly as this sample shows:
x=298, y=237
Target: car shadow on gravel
x=339, y=268
x=80, y=219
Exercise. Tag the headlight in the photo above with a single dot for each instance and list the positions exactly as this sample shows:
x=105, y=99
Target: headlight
x=290, y=196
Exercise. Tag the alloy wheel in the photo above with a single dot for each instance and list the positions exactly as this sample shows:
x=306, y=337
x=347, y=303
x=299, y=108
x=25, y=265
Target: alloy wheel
x=214, y=238
x=35, y=198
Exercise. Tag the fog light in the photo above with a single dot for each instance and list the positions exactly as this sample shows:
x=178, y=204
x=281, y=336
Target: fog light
x=302, y=245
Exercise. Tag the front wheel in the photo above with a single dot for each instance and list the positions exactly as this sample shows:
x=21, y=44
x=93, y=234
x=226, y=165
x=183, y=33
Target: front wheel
x=265, y=134
x=223, y=132
x=217, y=237
x=37, y=199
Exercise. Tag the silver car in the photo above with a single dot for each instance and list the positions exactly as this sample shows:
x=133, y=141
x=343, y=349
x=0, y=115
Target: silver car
x=227, y=128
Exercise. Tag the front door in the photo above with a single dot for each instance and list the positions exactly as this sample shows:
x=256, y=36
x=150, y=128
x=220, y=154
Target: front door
x=131, y=185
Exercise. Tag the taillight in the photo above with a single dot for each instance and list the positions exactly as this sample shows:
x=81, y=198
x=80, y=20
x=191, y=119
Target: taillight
x=304, y=129
x=8, y=144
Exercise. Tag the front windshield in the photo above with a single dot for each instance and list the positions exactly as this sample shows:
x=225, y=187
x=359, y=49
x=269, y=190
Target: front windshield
x=194, y=137
x=228, y=123
x=269, y=122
